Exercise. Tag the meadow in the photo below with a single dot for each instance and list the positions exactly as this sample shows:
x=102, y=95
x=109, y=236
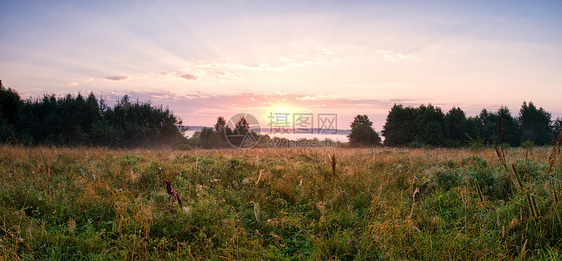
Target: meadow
x=280, y=204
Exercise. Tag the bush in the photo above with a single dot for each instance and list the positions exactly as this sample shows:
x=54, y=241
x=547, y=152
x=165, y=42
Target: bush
x=447, y=180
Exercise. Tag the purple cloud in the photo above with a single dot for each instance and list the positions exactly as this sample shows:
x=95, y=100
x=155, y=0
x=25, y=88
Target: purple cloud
x=190, y=77
x=117, y=78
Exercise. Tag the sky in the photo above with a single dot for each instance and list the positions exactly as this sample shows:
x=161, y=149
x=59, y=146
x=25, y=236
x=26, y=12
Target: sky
x=205, y=59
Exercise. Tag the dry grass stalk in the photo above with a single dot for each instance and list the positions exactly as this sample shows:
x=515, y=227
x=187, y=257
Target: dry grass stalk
x=71, y=226
x=554, y=193
x=503, y=231
x=524, y=250
x=479, y=191
x=517, y=176
x=259, y=177
x=534, y=205
x=413, y=202
x=320, y=206
x=501, y=155
x=257, y=211
x=530, y=197
x=551, y=161
x=499, y=149
x=333, y=163
x=554, y=153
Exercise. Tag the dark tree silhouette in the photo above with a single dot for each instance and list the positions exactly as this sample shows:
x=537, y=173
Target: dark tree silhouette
x=400, y=129
x=76, y=120
x=220, y=125
x=362, y=133
x=242, y=126
x=535, y=124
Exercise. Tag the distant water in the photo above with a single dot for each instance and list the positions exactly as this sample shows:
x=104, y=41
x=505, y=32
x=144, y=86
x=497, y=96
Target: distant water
x=295, y=136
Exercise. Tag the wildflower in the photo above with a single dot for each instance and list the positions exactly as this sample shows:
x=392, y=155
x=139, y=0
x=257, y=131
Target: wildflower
x=168, y=187
x=178, y=199
x=173, y=195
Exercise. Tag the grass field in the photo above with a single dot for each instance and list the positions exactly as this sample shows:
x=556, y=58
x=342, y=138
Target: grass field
x=279, y=204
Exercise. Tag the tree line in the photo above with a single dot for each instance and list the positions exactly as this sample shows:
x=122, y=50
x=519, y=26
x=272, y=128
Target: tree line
x=216, y=137
x=223, y=136
x=430, y=126
x=76, y=120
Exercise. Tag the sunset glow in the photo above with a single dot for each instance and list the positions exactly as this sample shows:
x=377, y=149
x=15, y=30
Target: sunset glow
x=219, y=58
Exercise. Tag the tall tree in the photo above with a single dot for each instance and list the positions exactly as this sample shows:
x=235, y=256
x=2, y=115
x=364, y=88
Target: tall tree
x=459, y=129
x=487, y=124
x=400, y=128
x=361, y=119
x=10, y=104
x=470, y=130
x=454, y=121
x=10, y=112
x=508, y=127
x=242, y=126
x=220, y=125
x=362, y=133
x=535, y=124
x=430, y=123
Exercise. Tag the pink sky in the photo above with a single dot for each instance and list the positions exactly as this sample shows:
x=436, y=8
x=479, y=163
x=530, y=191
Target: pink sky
x=218, y=58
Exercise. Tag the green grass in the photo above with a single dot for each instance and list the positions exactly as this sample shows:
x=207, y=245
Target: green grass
x=405, y=204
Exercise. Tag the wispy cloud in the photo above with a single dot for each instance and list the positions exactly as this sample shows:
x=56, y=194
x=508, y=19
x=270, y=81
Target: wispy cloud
x=117, y=78
x=393, y=57
x=225, y=76
x=262, y=66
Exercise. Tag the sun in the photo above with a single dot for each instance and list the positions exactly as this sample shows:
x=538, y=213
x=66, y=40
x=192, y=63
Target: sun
x=285, y=108
x=281, y=110
x=280, y=114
